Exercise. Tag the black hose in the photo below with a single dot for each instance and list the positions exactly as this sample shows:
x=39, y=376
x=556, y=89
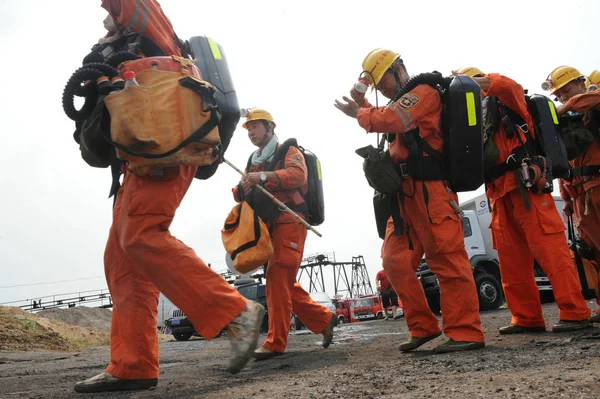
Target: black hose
x=73, y=85
x=430, y=78
x=89, y=88
x=107, y=70
x=122, y=56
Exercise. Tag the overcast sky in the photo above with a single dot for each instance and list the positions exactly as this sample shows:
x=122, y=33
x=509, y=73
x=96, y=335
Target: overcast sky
x=292, y=58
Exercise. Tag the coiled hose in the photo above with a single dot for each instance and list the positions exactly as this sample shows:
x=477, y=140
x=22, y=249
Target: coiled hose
x=428, y=78
x=121, y=56
x=75, y=87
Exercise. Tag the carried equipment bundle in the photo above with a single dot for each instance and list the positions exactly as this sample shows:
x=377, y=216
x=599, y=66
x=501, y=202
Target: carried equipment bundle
x=183, y=112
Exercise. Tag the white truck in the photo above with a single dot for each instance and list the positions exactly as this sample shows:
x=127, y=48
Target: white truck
x=483, y=258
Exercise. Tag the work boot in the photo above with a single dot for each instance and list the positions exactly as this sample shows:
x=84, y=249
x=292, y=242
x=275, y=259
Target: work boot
x=414, y=342
x=243, y=333
x=328, y=333
x=455, y=346
x=570, y=325
x=105, y=382
x=595, y=318
x=515, y=329
x=264, y=353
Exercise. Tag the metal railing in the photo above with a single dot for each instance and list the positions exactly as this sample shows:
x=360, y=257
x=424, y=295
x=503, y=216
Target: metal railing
x=93, y=298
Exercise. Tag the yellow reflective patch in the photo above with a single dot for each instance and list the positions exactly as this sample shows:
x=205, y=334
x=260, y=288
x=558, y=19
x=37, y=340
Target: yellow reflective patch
x=471, y=110
x=553, y=112
x=214, y=47
x=319, y=170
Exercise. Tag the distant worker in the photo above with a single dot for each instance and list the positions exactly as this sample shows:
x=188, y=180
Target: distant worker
x=593, y=80
x=525, y=223
x=581, y=192
x=428, y=224
x=283, y=172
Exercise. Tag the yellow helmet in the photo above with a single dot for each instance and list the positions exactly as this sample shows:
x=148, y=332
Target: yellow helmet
x=559, y=77
x=470, y=71
x=593, y=81
x=254, y=114
x=377, y=62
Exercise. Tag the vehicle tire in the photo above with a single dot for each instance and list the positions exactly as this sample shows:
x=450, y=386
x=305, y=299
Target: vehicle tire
x=182, y=336
x=489, y=291
x=219, y=334
x=546, y=296
x=341, y=320
x=264, y=328
x=379, y=315
x=434, y=303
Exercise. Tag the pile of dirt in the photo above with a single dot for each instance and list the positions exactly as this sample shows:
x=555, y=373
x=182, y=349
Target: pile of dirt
x=20, y=330
x=96, y=318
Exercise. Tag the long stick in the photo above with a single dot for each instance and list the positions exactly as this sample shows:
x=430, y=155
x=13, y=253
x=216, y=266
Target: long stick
x=281, y=204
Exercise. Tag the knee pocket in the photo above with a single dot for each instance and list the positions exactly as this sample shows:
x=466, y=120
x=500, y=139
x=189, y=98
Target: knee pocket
x=445, y=235
x=288, y=254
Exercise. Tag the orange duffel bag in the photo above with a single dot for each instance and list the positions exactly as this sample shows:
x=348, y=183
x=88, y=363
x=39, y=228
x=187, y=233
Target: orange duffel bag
x=170, y=119
x=246, y=239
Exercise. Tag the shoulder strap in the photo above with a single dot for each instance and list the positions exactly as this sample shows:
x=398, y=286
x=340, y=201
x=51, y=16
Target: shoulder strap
x=281, y=152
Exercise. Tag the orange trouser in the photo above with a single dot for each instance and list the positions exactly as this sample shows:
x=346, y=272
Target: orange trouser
x=589, y=231
x=520, y=235
x=143, y=258
x=437, y=231
x=284, y=295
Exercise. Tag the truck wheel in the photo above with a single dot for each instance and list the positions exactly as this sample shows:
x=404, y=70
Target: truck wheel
x=434, y=303
x=182, y=336
x=489, y=291
x=341, y=320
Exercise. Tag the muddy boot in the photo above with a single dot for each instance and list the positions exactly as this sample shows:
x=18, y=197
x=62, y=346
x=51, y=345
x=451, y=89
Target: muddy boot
x=570, y=325
x=455, y=346
x=243, y=333
x=515, y=329
x=105, y=382
x=595, y=318
x=264, y=353
x=328, y=333
x=414, y=342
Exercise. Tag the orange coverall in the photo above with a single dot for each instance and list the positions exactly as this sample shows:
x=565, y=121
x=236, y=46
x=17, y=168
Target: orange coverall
x=142, y=258
x=146, y=18
x=587, y=196
x=520, y=235
x=434, y=229
x=284, y=295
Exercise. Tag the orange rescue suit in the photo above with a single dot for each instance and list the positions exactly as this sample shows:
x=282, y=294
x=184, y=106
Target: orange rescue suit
x=586, y=201
x=288, y=235
x=433, y=228
x=147, y=19
x=142, y=258
x=521, y=235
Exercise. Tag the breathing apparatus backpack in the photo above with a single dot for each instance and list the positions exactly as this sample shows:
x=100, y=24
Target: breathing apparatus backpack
x=537, y=161
x=314, y=203
x=461, y=161
x=547, y=133
x=183, y=113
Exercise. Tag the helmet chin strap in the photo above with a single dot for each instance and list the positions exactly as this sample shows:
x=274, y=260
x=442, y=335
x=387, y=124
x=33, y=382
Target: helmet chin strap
x=265, y=139
x=397, y=77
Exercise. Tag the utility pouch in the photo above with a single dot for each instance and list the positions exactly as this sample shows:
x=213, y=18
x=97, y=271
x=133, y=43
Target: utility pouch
x=170, y=119
x=92, y=134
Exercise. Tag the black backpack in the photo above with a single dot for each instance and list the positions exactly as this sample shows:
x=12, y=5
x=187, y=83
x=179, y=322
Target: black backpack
x=314, y=198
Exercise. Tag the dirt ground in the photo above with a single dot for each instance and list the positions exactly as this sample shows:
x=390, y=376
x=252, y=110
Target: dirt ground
x=96, y=318
x=363, y=362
